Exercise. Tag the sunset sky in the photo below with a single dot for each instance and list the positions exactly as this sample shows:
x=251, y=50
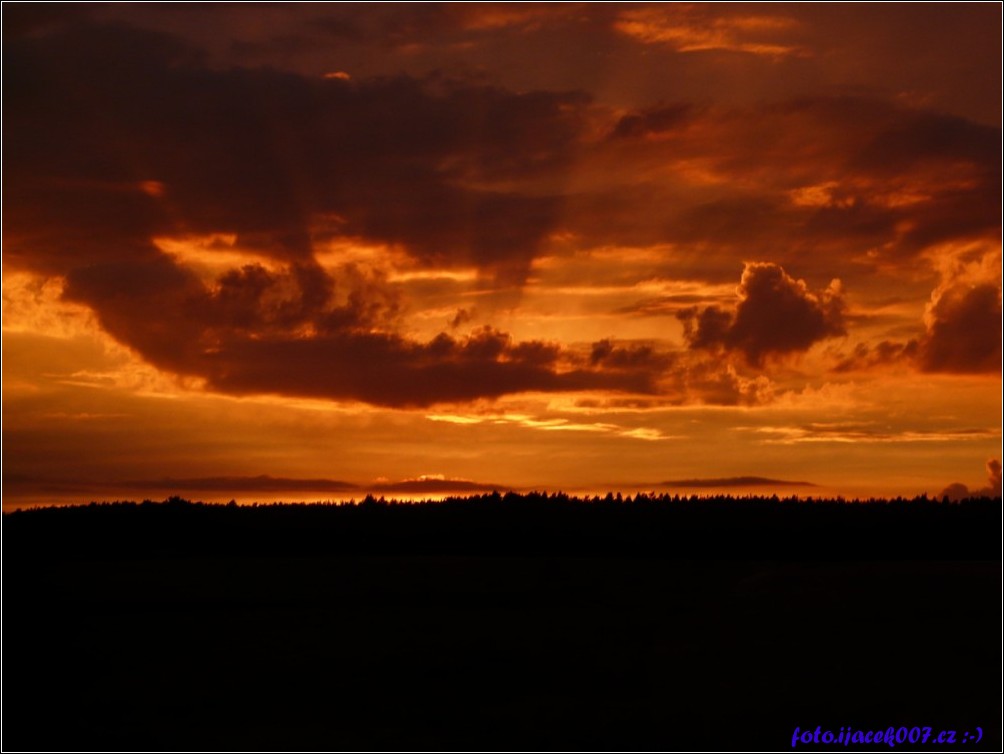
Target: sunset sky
x=305, y=252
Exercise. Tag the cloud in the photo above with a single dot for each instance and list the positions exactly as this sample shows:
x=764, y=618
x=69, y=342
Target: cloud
x=994, y=472
x=387, y=369
x=298, y=331
x=628, y=357
x=880, y=355
x=866, y=432
x=774, y=316
x=435, y=483
x=710, y=382
x=695, y=28
x=462, y=316
x=807, y=181
x=955, y=492
x=259, y=331
x=557, y=424
x=280, y=162
x=121, y=136
x=681, y=377
x=962, y=319
x=279, y=159
x=958, y=491
x=963, y=329
x=653, y=121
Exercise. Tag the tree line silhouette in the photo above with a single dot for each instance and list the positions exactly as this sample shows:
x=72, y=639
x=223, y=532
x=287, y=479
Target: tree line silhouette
x=648, y=524
x=496, y=621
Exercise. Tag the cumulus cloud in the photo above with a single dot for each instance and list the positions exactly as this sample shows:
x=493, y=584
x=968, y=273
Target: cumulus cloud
x=298, y=330
x=958, y=491
x=963, y=320
x=775, y=315
x=119, y=136
x=681, y=377
x=163, y=145
x=994, y=473
x=709, y=381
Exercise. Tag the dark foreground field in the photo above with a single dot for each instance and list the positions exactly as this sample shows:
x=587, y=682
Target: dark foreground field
x=499, y=623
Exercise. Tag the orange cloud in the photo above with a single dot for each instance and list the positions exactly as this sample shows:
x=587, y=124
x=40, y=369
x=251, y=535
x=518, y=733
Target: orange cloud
x=694, y=28
x=958, y=491
x=963, y=319
x=774, y=315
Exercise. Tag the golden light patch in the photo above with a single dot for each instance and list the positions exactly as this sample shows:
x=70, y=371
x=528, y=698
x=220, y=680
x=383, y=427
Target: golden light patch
x=209, y=256
x=686, y=30
x=33, y=303
x=555, y=424
x=820, y=195
x=342, y=251
x=35, y=311
x=155, y=189
x=459, y=276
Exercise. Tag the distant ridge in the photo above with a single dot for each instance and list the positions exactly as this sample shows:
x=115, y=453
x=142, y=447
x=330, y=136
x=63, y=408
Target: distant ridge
x=267, y=483
x=737, y=481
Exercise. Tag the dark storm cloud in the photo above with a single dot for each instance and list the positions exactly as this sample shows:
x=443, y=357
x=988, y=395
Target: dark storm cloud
x=242, y=340
x=653, y=121
x=281, y=159
x=964, y=330
x=968, y=157
x=775, y=315
x=260, y=332
x=115, y=136
x=94, y=114
x=925, y=136
x=802, y=179
x=389, y=370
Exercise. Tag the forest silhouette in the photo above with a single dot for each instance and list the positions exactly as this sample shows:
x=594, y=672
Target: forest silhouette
x=654, y=524
x=498, y=621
